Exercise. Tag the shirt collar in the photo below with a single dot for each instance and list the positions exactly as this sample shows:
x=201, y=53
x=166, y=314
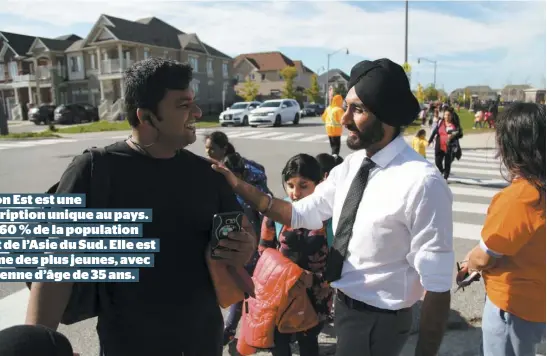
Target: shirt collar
x=384, y=157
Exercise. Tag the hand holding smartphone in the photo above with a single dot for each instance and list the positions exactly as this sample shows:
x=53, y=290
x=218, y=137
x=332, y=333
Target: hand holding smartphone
x=223, y=224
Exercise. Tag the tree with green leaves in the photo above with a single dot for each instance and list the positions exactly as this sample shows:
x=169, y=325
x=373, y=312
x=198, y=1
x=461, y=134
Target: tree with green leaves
x=341, y=90
x=289, y=74
x=431, y=93
x=249, y=90
x=313, y=92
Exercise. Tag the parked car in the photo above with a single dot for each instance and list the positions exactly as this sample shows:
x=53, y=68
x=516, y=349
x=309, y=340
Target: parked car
x=41, y=114
x=71, y=114
x=238, y=113
x=92, y=111
x=312, y=110
x=276, y=112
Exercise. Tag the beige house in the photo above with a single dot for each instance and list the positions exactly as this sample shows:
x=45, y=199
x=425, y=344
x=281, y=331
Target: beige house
x=32, y=70
x=265, y=70
x=90, y=70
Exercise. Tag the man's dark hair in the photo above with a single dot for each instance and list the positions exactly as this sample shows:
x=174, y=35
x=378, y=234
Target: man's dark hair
x=147, y=81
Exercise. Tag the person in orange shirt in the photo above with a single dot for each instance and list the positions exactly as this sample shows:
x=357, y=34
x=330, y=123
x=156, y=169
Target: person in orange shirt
x=511, y=254
x=331, y=117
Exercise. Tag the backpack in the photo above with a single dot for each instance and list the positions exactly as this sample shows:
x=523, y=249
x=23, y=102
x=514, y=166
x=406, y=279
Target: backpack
x=87, y=297
x=330, y=234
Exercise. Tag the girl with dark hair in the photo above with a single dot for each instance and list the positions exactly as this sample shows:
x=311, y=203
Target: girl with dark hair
x=447, y=136
x=307, y=248
x=511, y=253
x=217, y=147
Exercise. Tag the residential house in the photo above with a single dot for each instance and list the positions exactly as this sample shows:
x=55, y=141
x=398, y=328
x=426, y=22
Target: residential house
x=97, y=62
x=477, y=92
x=336, y=77
x=533, y=95
x=265, y=70
x=514, y=92
x=71, y=69
x=31, y=71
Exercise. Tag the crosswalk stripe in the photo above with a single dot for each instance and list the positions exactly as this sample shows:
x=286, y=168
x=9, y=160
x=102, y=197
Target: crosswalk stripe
x=473, y=192
x=288, y=136
x=486, y=172
x=244, y=133
x=465, y=207
x=312, y=138
x=467, y=231
x=264, y=135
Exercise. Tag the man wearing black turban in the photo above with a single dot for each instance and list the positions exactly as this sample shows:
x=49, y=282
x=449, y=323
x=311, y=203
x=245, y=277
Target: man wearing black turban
x=391, y=212
x=380, y=102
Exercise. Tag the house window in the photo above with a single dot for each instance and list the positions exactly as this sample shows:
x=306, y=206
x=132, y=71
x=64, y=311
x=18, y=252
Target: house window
x=75, y=64
x=195, y=88
x=263, y=76
x=193, y=63
x=2, y=75
x=146, y=53
x=210, y=67
x=225, y=70
x=13, y=70
x=92, y=63
x=252, y=76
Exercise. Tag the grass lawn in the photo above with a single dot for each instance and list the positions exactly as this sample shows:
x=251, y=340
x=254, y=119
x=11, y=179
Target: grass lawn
x=29, y=135
x=100, y=126
x=467, y=120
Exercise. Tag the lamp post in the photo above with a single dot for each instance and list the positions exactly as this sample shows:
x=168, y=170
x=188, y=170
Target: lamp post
x=327, y=76
x=406, y=31
x=434, y=70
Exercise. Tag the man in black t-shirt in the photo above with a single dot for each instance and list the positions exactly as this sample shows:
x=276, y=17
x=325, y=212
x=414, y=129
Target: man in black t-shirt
x=173, y=309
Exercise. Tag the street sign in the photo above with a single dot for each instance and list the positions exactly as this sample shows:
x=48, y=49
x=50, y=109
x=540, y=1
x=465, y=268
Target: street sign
x=407, y=68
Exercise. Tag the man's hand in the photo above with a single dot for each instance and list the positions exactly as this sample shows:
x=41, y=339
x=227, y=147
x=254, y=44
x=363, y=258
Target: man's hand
x=231, y=178
x=237, y=249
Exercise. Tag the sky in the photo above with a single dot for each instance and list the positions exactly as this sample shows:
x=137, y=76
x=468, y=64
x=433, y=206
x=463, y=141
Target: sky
x=492, y=43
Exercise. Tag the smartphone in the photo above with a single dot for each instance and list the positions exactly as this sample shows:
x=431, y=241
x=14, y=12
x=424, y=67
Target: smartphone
x=225, y=223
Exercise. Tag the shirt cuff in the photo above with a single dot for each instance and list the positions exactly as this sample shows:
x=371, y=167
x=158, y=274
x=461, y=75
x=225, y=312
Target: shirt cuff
x=436, y=270
x=488, y=251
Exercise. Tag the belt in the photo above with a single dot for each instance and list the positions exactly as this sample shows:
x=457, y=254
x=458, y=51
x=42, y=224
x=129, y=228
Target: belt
x=361, y=306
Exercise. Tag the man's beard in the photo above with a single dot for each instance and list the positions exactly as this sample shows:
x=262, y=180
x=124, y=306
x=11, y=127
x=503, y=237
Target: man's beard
x=372, y=134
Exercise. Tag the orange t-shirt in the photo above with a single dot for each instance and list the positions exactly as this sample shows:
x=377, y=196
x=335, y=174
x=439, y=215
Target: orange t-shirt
x=515, y=228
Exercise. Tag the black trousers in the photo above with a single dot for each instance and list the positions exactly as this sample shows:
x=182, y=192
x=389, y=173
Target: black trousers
x=335, y=143
x=446, y=158
x=308, y=342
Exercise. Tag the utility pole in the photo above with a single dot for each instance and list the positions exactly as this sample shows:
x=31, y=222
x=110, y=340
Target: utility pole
x=406, y=31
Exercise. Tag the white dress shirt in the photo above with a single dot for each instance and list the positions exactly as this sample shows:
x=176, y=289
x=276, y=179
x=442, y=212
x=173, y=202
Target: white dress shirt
x=402, y=237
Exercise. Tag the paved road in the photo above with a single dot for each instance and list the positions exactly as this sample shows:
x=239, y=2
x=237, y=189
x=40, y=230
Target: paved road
x=32, y=166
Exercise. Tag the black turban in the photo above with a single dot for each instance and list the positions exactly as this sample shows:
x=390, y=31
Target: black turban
x=384, y=89
x=33, y=340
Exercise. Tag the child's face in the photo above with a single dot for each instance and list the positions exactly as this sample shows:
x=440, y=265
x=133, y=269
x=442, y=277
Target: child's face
x=299, y=187
x=422, y=136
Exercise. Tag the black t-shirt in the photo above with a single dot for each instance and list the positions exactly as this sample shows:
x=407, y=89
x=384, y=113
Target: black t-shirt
x=167, y=306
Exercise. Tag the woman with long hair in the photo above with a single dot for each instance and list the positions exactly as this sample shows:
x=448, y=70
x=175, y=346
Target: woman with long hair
x=511, y=253
x=447, y=136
